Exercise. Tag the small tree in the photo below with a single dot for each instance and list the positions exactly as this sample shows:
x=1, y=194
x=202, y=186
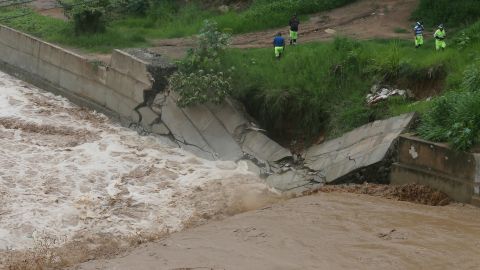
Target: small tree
x=199, y=78
x=88, y=17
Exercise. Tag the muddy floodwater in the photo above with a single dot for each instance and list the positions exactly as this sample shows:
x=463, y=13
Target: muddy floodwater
x=69, y=174
x=325, y=231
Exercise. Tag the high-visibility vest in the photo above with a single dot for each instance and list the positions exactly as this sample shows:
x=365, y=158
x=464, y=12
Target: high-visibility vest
x=440, y=34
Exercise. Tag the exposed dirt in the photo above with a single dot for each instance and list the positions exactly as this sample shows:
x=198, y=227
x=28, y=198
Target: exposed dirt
x=364, y=19
x=411, y=193
x=49, y=8
x=324, y=231
x=426, y=83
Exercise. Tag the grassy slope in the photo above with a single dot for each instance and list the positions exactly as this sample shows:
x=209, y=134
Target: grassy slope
x=61, y=32
x=166, y=20
x=322, y=86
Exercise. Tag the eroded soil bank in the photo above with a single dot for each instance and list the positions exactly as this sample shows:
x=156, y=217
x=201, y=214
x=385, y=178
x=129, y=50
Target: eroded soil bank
x=326, y=231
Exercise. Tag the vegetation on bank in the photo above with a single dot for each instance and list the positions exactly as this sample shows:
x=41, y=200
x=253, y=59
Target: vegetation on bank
x=451, y=13
x=106, y=24
x=200, y=78
x=455, y=116
x=306, y=93
x=322, y=87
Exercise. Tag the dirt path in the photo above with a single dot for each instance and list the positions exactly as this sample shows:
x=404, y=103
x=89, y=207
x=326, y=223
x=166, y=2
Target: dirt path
x=325, y=231
x=364, y=19
x=49, y=8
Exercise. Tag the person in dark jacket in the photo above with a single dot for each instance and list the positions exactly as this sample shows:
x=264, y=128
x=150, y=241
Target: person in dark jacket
x=294, y=22
x=279, y=45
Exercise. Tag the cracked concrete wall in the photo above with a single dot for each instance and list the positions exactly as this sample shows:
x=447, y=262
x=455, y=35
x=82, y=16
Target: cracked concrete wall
x=210, y=131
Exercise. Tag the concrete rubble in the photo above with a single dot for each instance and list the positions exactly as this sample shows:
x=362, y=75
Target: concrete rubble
x=378, y=94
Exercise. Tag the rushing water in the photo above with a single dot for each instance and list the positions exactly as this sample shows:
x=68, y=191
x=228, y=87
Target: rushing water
x=68, y=173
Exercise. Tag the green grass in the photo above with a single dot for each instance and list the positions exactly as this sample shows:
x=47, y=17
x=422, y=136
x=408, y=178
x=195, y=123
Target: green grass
x=321, y=87
x=454, y=118
x=400, y=30
x=451, y=13
x=61, y=32
x=166, y=19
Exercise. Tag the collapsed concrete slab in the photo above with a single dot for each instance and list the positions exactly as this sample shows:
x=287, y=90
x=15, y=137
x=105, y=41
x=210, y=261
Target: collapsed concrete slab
x=366, y=153
x=357, y=150
x=259, y=145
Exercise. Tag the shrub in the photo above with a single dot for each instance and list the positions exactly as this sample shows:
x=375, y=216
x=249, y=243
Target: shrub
x=200, y=87
x=453, y=13
x=455, y=117
x=88, y=17
x=199, y=78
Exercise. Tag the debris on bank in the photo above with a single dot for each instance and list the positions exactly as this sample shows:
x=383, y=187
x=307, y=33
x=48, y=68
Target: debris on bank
x=410, y=193
x=378, y=94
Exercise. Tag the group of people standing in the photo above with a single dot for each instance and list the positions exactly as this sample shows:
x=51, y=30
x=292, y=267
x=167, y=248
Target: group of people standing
x=279, y=41
x=439, y=36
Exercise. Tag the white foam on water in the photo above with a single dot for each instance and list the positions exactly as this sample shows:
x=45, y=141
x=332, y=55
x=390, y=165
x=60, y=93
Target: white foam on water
x=67, y=172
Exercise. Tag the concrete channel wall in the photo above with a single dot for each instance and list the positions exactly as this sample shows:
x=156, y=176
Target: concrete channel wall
x=436, y=165
x=117, y=88
x=134, y=88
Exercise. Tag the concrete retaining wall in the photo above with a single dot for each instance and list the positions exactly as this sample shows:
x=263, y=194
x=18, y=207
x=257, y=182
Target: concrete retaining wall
x=438, y=166
x=134, y=87
x=116, y=88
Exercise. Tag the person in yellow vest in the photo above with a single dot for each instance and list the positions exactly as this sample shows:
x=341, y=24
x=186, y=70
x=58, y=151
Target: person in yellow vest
x=440, y=36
